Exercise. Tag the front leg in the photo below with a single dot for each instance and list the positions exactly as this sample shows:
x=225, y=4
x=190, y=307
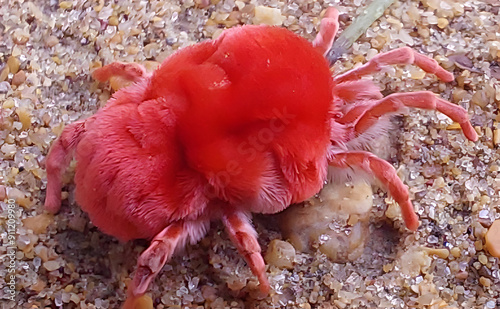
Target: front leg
x=420, y=99
x=120, y=74
x=243, y=235
x=327, y=31
x=403, y=55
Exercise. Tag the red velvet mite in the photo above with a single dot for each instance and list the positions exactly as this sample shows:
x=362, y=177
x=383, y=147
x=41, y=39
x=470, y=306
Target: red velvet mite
x=247, y=123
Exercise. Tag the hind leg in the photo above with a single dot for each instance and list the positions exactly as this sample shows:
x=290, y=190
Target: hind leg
x=57, y=161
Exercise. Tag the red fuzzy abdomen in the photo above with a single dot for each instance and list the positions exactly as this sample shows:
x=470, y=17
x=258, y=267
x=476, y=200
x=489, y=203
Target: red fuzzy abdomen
x=129, y=170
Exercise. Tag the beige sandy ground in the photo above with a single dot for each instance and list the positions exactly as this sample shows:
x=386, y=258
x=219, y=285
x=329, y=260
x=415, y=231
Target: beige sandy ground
x=50, y=47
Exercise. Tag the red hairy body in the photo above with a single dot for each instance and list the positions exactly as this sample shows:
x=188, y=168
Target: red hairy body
x=245, y=123
x=185, y=135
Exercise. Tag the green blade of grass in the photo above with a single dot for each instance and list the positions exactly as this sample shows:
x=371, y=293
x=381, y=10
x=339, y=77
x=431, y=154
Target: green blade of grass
x=357, y=28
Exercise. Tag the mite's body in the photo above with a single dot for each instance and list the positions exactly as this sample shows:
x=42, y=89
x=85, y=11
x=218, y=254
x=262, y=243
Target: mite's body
x=245, y=123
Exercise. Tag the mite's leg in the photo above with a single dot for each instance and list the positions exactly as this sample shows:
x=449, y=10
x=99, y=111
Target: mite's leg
x=327, y=31
x=403, y=55
x=356, y=91
x=120, y=73
x=353, y=98
x=353, y=113
x=156, y=255
x=243, y=235
x=57, y=161
x=420, y=99
x=386, y=173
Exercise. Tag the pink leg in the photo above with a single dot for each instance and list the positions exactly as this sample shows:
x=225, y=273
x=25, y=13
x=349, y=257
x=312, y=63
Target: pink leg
x=354, y=97
x=419, y=99
x=327, y=31
x=403, y=55
x=243, y=235
x=130, y=71
x=386, y=174
x=57, y=161
x=156, y=255
x=354, y=112
x=355, y=91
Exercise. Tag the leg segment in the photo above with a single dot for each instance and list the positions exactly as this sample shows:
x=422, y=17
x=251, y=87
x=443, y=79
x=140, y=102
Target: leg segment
x=327, y=31
x=57, y=161
x=243, y=235
x=152, y=260
x=386, y=173
x=420, y=99
x=403, y=55
x=353, y=113
x=120, y=74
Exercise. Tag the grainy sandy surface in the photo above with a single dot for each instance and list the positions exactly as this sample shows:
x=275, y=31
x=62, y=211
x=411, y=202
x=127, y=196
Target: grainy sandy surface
x=50, y=48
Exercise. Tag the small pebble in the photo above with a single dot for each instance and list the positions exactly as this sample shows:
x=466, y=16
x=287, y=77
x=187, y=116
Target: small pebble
x=65, y=5
x=336, y=222
x=19, y=78
x=24, y=117
x=458, y=94
x=239, y=4
x=267, y=16
x=480, y=98
x=38, y=224
x=483, y=259
x=441, y=253
x=462, y=275
x=492, y=239
x=485, y=281
x=478, y=244
x=113, y=21
x=13, y=64
x=51, y=265
x=442, y=23
x=74, y=298
x=51, y=41
x=414, y=261
x=15, y=193
x=280, y=254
